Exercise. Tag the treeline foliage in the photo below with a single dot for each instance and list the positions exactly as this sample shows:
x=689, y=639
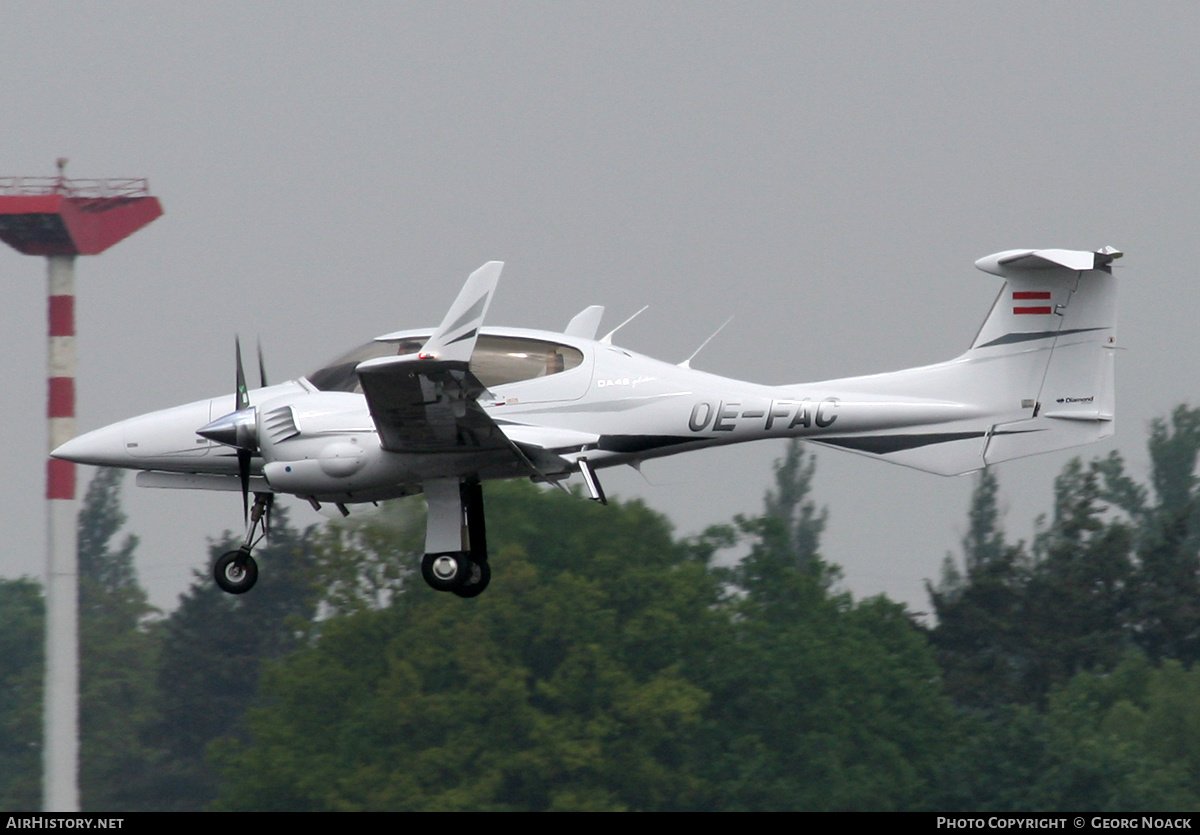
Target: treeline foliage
x=1074, y=656
x=608, y=667
x=154, y=691
x=22, y=623
x=614, y=666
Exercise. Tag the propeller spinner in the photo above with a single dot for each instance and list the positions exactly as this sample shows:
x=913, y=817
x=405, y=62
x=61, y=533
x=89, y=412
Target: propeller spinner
x=239, y=428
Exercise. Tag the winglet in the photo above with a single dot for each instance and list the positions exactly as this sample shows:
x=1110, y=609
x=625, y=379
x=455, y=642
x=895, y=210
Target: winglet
x=455, y=337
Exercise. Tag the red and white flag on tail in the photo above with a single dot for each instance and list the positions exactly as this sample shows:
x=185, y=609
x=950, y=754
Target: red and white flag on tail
x=1024, y=302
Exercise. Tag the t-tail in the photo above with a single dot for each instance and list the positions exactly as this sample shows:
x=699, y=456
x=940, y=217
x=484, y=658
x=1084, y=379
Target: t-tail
x=1037, y=378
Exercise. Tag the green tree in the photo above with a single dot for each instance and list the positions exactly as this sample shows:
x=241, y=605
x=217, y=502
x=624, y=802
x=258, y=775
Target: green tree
x=983, y=545
x=107, y=570
x=363, y=563
x=564, y=687
x=1078, y=598
x=1002, y=756
x=1017, y=624
x=1120, y=743
x=818, y=702
x=784, y=541
x=1125, y=741
x=22, y=624
x=1165, y=616
x=840, y=709
x=117, y=654
x=607, y=667
x=978, y=641
x=212, y=651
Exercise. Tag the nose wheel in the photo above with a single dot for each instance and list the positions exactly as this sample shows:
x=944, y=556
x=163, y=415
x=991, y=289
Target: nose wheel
x=236, y=572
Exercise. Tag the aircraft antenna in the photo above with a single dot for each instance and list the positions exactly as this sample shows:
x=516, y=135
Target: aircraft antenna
x=607, y=340
x=687, y=363
x=60, y=219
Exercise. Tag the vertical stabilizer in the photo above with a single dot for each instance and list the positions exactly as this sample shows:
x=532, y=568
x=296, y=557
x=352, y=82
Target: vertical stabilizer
x=1063, y=305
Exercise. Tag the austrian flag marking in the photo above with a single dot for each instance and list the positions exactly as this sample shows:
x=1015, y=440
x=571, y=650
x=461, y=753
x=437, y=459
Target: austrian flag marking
x=1028, y=296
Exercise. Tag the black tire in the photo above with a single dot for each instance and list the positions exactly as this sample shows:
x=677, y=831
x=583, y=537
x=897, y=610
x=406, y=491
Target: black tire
x=236, y=572
x=445, y=571
x=477, y=579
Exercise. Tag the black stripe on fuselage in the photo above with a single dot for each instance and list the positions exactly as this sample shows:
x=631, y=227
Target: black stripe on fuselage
x=883, y=444
x=641, y=443
x=1010, y=338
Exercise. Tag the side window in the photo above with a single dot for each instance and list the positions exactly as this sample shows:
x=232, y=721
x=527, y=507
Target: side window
x=509, y=359
x=339, y=375
x=497, y=360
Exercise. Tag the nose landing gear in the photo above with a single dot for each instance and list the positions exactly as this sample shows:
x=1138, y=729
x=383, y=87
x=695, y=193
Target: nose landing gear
x=236, y=572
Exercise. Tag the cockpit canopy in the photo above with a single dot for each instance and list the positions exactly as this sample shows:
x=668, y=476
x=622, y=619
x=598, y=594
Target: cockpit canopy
x=497, y=360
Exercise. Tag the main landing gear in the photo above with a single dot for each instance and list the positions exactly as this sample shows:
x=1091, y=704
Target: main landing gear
x=455, y=538
x=456, y=557
x=236, y=572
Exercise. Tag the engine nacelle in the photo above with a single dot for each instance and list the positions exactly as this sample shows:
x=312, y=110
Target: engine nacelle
x=317, y=444
x=305, y=477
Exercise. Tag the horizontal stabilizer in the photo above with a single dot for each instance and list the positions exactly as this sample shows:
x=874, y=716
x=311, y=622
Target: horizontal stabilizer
x=942, y=450
x=1014, y=260
x=1043, y=434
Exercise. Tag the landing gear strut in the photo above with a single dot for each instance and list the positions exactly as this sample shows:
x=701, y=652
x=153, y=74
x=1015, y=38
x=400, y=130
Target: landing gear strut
x=236, y=572
x=455, y=538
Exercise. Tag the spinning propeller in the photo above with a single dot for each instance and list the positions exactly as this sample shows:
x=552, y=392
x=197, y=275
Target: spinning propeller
x=239, y=428
x=236, y=571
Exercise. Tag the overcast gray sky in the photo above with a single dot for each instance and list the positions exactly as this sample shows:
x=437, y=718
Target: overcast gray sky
x=827, y=172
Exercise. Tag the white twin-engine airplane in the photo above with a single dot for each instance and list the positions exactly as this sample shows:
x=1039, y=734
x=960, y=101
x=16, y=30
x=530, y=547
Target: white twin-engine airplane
x=441, y=411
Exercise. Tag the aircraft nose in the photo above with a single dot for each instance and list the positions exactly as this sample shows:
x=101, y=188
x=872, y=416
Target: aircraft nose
x=101, y=447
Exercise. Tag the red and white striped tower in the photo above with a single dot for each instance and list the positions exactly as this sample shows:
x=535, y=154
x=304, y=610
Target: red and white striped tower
x=61, y=717
x=60, y=219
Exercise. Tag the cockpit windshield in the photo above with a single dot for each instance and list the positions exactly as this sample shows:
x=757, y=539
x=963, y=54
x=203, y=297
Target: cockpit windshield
x=497, y=360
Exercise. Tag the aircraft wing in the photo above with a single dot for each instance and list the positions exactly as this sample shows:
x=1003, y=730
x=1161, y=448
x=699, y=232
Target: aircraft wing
x=429, y=402
x=427, y=405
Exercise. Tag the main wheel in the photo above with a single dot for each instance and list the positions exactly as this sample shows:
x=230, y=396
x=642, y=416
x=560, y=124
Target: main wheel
x=236, y=572
x=477, y=579
x=445, y=571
